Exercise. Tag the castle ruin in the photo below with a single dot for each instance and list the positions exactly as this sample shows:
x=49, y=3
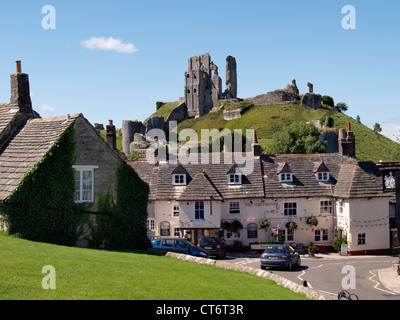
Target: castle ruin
x=203, y=85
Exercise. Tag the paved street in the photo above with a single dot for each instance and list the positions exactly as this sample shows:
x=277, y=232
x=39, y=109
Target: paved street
x=324, y=273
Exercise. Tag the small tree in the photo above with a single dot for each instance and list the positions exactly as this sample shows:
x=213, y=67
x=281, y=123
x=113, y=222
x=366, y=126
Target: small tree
x=377, y=128
x=341, y=106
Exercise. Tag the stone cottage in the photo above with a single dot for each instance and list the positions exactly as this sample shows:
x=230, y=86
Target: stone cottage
x=26, y=140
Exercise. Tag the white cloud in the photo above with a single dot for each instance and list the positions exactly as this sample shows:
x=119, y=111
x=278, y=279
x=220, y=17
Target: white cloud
x=108, y=44
x=46, y=108
x=391, y=129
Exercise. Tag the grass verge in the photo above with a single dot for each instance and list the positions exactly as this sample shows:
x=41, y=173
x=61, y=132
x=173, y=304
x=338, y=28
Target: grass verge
x=87, y=274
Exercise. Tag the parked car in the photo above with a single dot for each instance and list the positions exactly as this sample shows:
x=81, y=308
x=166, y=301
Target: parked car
x=165, y=245
x=280, y=255
x=213, y=245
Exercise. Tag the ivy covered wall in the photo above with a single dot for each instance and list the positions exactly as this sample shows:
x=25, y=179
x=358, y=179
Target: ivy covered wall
x=42, y=207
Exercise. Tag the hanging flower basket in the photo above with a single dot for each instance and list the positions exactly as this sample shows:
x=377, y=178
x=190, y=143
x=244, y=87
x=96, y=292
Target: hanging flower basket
x=291, y=225
x=265, y=223
x=312, y=221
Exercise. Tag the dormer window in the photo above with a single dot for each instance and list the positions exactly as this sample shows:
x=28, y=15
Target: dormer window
x=323, y=176
x=234, y=178
x=179, y=179
x=286, y=177
x=234, y=175
x=179, y=176
x=285, y=173
x=321, y=172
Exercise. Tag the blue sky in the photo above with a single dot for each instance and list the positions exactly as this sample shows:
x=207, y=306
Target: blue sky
x=272, y=41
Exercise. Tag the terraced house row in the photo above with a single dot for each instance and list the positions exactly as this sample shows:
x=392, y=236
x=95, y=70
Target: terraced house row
x=310, y=198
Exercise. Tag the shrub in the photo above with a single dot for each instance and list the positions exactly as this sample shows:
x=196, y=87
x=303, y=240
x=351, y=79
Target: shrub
x=327, y=100
x=159, y=104
x=277, y=238
x=337, y=242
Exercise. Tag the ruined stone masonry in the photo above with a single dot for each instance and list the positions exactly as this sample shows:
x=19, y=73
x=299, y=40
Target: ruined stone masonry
x=203, y=85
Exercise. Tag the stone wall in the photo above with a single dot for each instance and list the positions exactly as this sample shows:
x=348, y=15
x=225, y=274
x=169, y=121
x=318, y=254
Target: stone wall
x=93, y=151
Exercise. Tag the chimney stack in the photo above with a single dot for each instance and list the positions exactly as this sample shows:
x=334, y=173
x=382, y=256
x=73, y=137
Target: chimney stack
x=20, y=94
x=111, y=135
x=347, y=142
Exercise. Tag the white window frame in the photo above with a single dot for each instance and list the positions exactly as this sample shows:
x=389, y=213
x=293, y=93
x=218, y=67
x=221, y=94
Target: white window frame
x=199, y=210
x=289, y=234
x=175, y=210
x=232, y=207
x=341, y=205
x=323, y=176
x=322, y=233
x=151, y=224
x=325, y=204
x=233, y=235
x=234, y=179
x=179, y=179
x=286, y=177
x=82, y=168
x=360, y=238
x=295, y=207
x=177, y=232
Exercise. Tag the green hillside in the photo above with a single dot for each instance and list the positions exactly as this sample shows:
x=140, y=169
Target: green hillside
x=267, y=120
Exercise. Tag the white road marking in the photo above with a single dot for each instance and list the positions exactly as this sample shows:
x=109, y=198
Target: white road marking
x=302, y=280
x=377, y=283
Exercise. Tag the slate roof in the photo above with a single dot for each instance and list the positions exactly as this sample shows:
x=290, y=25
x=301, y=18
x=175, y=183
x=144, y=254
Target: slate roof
x=348, y=179
x=203, y=181
x=7, y=113
x=27, y=147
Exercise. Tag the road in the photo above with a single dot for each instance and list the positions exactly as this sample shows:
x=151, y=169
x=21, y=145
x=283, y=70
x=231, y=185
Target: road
x=327, y=272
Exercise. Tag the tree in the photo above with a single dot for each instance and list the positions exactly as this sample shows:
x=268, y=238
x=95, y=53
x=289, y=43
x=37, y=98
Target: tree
x=341, y=106
x=299, y=137
x=377, y=128
x=358, y=119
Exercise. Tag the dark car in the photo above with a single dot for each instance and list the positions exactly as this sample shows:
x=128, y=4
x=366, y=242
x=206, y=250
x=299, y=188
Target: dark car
x=165, y=245
x=280, y=255
x=213, y=245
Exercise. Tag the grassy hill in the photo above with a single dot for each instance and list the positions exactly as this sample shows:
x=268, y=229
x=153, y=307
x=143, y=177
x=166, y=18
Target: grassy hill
x=267, y=120
x=87, y=274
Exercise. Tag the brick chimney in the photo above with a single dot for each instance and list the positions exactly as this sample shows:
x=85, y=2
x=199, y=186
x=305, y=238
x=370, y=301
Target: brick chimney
x=20, y=94
x=111, y=135
x=347, y=142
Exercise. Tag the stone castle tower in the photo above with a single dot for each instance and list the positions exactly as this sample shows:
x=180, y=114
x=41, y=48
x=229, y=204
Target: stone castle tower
x=203, y=86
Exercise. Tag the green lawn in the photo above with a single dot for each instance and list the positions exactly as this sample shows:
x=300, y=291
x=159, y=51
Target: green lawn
x=88, y=274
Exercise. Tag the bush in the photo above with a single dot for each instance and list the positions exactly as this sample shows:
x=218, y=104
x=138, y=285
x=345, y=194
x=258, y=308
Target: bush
x=159, y=104
x=337, y=242
x=327, y=100
x=277, y=238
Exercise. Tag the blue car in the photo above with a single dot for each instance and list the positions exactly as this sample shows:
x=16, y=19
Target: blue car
x=164, y=245
x=280, y=255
